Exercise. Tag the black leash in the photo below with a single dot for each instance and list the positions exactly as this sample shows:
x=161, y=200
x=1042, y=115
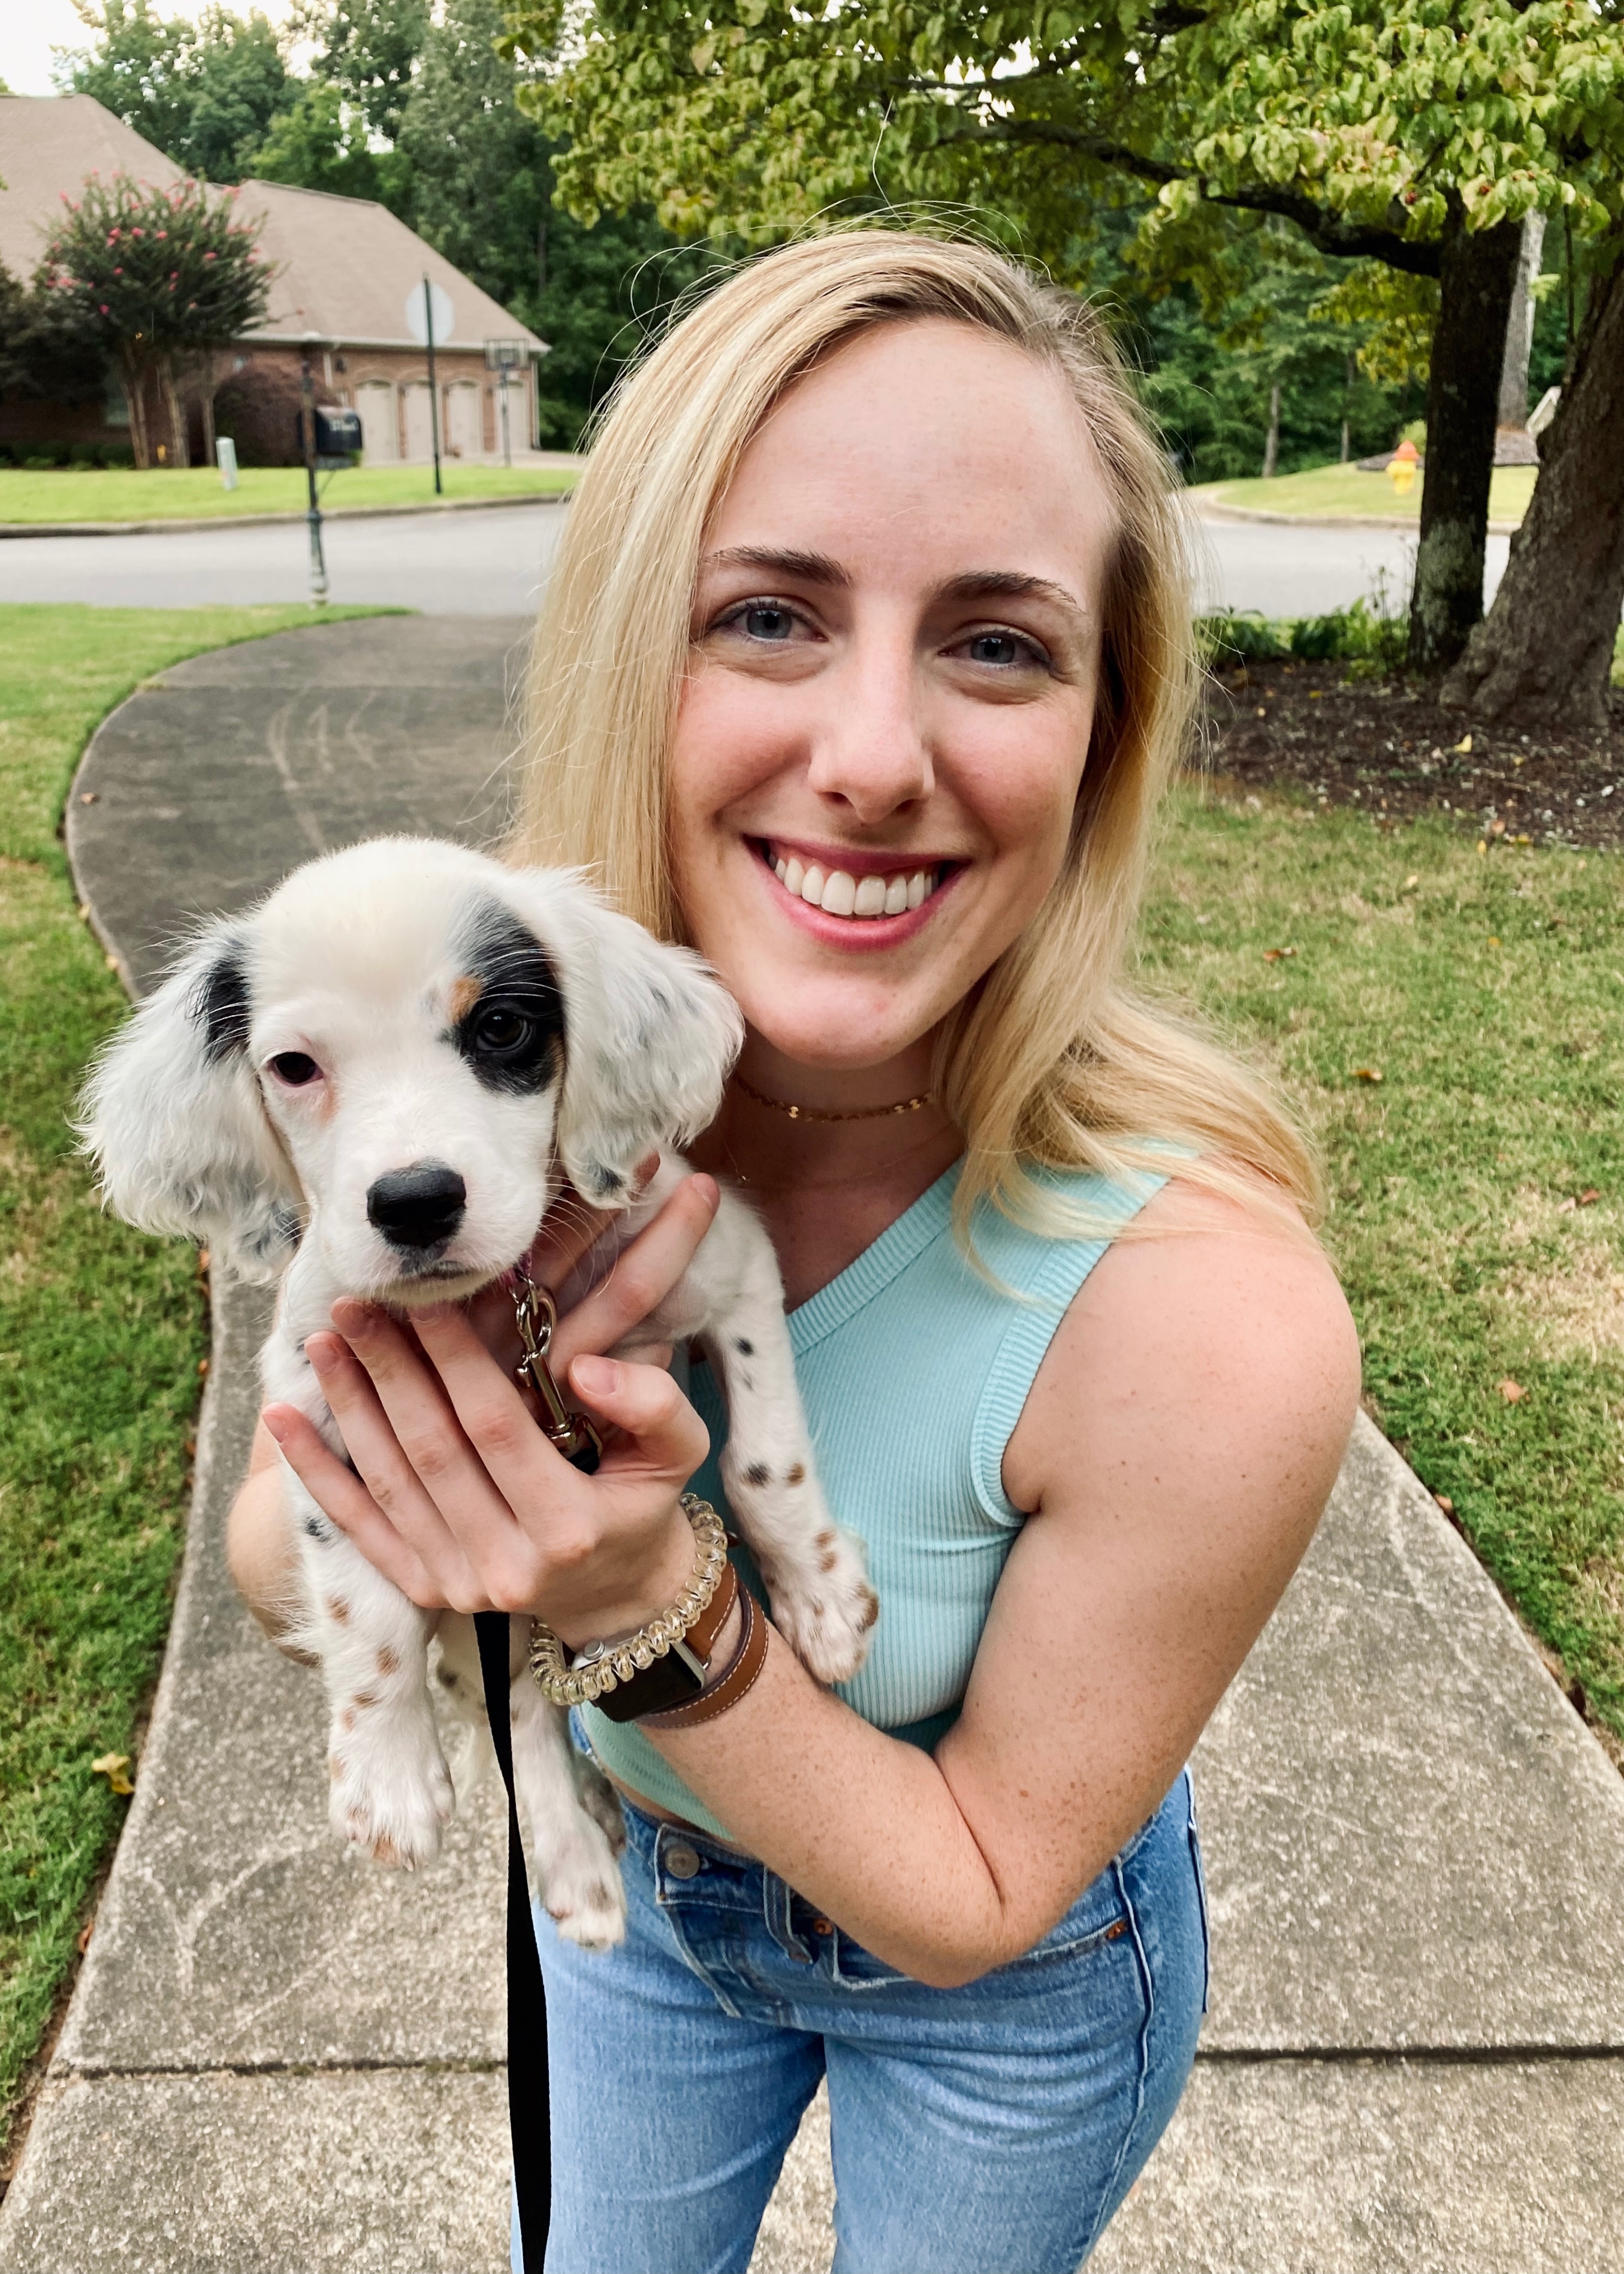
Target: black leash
x=528, y=2112
x=528, y=2109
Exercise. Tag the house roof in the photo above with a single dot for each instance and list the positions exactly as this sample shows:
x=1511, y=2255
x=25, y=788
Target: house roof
x=346, y=268
x=47, y=144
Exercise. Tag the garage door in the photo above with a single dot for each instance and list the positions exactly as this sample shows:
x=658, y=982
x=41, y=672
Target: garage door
x=381, y=432
x=463, y=439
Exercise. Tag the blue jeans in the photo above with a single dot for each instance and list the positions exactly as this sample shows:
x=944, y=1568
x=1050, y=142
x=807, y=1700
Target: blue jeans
x=992, y=2129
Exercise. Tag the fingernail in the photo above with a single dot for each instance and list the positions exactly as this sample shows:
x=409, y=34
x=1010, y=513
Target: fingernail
x=351, y=1317
x=596, y=1377
x=708, y=1189
x=322, y=1352
x=277, y=1425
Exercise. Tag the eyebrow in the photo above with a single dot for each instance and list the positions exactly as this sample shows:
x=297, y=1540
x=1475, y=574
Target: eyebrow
x=974, y=585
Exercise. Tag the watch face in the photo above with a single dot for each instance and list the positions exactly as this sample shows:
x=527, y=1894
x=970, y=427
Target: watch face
x=673, y=1680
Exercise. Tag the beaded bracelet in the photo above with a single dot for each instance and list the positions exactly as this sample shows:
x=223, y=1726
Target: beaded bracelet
x=605, y=1666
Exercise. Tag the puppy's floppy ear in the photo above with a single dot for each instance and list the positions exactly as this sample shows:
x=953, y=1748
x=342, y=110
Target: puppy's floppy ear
x=650, y=1035
x=172, y=1116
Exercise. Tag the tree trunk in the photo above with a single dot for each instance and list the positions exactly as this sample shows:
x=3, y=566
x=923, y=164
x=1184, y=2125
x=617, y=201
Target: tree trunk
x=1347, y=408
x=180, y=454
x=207, y=385
x=1479, y=277
x=1520, y=325
x=1271, y=446
x=1544, y=651
x=132, y=372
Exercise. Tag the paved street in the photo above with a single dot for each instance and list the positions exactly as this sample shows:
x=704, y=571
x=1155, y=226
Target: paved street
x=278, y=2058
x=491, y=564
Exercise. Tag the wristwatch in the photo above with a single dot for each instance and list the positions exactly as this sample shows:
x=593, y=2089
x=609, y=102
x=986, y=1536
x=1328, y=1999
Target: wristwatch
x=674, y=1679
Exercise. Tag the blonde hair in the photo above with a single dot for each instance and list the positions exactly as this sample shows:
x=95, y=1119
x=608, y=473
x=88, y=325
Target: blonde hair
x=1051, y=1060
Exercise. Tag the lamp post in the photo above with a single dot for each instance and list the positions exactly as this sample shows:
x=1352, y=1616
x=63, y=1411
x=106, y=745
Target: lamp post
x=428, y=341
x=307, y=435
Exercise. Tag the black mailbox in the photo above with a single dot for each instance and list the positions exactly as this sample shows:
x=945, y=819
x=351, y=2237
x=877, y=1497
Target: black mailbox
x=338, y=436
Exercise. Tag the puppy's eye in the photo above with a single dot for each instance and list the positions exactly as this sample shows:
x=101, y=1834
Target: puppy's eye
x=498, y=1031
x=294, y=1068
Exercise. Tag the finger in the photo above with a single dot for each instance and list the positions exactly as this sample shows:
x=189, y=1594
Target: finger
x=660, y=1429
x=643, y=1274
x=344, y=1500
x=402, y=1433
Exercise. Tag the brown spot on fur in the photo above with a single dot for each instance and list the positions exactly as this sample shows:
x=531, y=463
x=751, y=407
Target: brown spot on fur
x=385, y=1850
x=338, y=1611
x=363, y=1699
x=346, y=1720
x=464, y=992
x=827, y=1560
x=871, y=1610
x=826, y=1539
x=758, y=1473
x=388, y=1660
x=798, y=1474
x=335, y=1767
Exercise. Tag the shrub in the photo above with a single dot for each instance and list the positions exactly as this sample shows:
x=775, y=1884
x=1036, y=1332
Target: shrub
x=1242, y=635
x=1360, y=635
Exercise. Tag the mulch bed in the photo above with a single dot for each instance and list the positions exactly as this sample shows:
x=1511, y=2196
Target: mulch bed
x=1386, y=746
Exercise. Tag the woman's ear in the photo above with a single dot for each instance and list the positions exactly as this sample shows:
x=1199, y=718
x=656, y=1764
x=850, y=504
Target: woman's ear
x=650, y=1035
x=172, y=1116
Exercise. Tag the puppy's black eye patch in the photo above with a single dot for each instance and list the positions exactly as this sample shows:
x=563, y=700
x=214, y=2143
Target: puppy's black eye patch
x=512, y=1029
x=220, y=1006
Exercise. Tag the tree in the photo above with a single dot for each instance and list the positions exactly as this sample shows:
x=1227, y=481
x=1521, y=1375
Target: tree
x=205, y=93
x=1545, y=650
x=1408, y=132
x=46, y=349
x=322, y=143
x=159, y=275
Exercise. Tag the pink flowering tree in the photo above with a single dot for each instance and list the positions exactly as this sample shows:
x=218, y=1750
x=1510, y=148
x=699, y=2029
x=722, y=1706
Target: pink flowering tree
x=167, y=276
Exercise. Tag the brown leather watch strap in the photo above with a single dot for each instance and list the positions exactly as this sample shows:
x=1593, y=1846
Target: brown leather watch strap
x=666, y=1684
x=740, y=1675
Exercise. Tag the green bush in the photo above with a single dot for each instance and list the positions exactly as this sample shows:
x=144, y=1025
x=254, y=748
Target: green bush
x=1361, y=634
x=1240, y=637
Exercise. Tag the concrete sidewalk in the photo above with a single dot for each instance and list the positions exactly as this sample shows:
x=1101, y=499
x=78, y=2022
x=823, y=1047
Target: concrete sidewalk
x=279, y=2060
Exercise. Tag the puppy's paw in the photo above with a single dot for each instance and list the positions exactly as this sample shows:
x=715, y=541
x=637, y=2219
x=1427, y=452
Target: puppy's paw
x=826, y=1613
x=582, y=1879
x=598, y=1797
x=392, y=1792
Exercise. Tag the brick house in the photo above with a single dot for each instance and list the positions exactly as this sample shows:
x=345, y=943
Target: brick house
x=348, y=293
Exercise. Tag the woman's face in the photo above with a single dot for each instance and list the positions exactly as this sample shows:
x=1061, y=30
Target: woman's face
x=896, y=644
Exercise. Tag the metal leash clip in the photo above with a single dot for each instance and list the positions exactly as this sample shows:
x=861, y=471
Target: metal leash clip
x=535, y=1314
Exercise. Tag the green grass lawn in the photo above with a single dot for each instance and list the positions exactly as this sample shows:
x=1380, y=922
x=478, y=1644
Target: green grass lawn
x=100, y=1329
x=102, y=493
x=1340, y=490
x=1479, y=1188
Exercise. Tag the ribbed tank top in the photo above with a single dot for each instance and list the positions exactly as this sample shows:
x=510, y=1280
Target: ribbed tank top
x=913, y=1368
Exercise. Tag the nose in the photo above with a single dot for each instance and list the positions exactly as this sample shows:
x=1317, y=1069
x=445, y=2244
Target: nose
x=873, y=754
x=418, y=1206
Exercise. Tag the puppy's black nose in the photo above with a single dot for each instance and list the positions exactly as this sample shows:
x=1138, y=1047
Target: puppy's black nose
x=418, y=1206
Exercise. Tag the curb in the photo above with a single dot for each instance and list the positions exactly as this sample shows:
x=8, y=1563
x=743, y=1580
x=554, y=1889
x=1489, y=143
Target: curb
x=274, y=520
x=1210, y=510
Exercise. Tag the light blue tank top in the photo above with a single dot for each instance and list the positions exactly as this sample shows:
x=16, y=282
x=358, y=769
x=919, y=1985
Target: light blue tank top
x=914, y=1370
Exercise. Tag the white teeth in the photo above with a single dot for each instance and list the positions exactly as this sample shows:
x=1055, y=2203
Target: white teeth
x=871, y=897
x=839, y=894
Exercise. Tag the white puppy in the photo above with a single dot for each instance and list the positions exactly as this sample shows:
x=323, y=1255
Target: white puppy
x=373, y=1083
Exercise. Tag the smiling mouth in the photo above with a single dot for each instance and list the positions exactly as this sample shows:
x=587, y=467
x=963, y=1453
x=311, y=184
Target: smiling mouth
x=838, y=893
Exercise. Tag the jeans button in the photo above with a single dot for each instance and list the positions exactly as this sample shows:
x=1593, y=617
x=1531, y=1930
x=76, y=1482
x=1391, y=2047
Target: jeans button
x=682, y=1861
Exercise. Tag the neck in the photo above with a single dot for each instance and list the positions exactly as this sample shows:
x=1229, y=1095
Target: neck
x=875, y=1148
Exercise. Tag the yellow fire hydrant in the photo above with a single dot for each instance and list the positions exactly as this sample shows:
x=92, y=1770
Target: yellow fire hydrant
x=1401, y=469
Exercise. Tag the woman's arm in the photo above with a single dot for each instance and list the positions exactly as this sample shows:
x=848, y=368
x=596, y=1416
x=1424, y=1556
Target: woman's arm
x=1177, y=1449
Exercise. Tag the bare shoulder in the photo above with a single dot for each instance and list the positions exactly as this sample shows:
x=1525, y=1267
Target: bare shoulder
x=1216, y=1340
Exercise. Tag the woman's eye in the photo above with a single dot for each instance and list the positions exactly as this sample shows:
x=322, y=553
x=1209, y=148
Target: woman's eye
x=1000, y=649
x=763, y=620
x=295, y=1068
x=498, y=1033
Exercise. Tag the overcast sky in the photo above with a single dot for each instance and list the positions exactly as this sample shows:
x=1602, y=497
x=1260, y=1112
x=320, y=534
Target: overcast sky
x=29, y=29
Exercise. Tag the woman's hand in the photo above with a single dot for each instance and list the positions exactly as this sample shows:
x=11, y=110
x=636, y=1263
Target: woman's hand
x=456, y=1495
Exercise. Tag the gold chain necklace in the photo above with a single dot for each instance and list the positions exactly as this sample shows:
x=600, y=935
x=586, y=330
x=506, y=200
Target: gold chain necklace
x=823, y=1113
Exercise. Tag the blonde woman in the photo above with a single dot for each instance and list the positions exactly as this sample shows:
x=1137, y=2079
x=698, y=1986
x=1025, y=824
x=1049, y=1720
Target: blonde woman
x=864, y=663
